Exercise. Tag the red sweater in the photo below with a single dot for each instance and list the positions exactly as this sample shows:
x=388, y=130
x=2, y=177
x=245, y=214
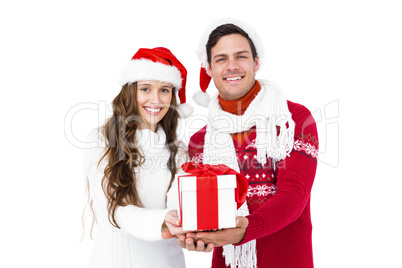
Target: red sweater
x=278, y=199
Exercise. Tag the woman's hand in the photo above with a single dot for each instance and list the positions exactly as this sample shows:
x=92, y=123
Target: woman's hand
x=173, y=224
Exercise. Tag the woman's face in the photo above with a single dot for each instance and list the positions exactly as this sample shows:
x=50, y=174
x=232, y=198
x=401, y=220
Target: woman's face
x=153, y=100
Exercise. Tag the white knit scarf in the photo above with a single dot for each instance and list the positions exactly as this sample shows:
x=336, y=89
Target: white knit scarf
x=269, y=113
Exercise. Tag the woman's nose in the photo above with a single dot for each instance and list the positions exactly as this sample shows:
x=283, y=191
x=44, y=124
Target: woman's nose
x=154, y=98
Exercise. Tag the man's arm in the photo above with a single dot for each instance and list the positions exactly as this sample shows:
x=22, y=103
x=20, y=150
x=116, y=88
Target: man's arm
x=295, y=176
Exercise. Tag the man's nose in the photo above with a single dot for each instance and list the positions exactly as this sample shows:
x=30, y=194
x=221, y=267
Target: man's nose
x=232, y=64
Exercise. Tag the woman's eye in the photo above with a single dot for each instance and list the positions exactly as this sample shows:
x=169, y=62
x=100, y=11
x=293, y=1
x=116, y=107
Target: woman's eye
x=165, y=90
x=144, y=89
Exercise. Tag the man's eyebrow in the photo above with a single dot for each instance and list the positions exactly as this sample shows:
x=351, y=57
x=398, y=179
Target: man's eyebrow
x=220, y=55
x=243, y=51
x=237, y=53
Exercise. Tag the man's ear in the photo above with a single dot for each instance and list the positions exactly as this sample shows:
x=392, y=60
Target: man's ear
x=209, y=70
x=256, y=64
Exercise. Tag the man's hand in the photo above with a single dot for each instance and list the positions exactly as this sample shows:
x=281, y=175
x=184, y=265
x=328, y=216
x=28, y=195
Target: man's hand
x=205, y=241
x=189, y=242
x=225, y=236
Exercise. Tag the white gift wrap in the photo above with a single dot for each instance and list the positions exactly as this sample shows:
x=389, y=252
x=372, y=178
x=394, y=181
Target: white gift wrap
x=188, y=201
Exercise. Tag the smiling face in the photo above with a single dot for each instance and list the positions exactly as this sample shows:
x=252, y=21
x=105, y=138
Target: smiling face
x=232, y=66
x=153, y=100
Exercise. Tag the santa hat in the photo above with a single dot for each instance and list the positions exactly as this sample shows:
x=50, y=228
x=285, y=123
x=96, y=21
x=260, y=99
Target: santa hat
x=158, y=64
x=202, y=98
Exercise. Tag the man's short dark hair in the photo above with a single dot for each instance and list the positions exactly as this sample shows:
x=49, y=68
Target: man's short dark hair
x=226, y=29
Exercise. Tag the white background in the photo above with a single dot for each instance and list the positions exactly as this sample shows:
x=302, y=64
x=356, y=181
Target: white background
x=341, y=59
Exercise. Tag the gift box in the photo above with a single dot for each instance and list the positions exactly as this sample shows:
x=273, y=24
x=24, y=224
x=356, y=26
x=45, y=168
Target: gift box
x=209, y=196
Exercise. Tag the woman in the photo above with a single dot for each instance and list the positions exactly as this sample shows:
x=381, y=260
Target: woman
x=131, y=178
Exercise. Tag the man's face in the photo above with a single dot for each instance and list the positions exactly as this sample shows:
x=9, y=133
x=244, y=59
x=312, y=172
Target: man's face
x=232, y=66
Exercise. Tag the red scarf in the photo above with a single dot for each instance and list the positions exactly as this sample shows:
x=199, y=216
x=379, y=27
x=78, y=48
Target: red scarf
x=238, y=107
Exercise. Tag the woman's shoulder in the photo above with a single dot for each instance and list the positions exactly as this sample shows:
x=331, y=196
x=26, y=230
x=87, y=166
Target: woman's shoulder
x=96, y=146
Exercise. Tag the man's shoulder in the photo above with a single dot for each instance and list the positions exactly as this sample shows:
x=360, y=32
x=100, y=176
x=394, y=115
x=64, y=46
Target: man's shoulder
x=306, y=129
x=298, y=111
x=196, y=145
x=297, y=108
x=198, y=138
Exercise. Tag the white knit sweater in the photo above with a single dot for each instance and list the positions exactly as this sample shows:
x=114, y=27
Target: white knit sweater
x=138, y=243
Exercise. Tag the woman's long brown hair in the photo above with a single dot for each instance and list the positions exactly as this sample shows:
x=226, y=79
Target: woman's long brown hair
x=120, y=182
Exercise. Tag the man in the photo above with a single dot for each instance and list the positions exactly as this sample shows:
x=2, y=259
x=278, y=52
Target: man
x=273, y=142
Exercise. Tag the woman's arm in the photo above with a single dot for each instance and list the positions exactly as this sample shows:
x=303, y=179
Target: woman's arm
x=140, y=222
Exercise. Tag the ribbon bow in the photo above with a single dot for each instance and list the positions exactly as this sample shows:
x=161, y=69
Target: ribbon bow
x=205, y=170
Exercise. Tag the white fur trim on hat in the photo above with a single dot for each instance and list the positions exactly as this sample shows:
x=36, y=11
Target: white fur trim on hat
x=185, y=110
x=202, y=52
x=142, y=69
x=201, y=98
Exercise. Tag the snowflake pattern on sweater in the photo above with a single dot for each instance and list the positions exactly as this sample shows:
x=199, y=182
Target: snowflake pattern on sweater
x=261, y=179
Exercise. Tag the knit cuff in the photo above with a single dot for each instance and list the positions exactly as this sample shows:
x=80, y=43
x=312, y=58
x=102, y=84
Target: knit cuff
x=255, y=229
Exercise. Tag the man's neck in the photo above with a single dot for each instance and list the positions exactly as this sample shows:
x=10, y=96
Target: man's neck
x=238, y=107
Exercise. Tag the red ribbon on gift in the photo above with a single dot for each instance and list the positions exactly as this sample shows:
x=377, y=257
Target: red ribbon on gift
x=207, y=191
